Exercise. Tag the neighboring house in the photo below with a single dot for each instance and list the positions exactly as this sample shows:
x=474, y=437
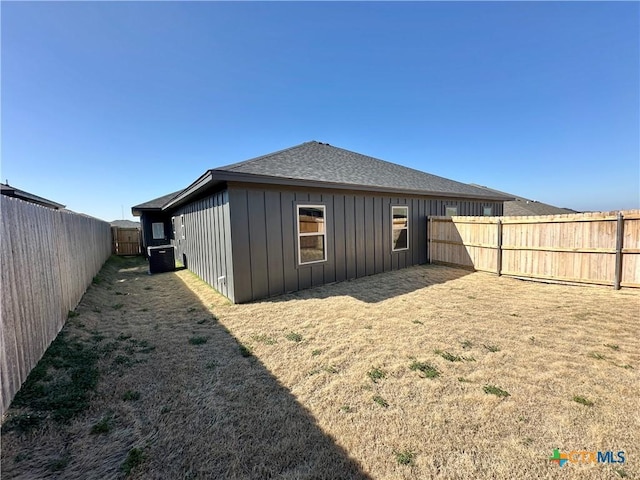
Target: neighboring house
x=521, y=206
x=125, y=224
x=8, y=190
x=306, y=216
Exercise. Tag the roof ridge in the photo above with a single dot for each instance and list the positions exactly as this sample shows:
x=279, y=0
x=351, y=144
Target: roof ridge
x=261, y=157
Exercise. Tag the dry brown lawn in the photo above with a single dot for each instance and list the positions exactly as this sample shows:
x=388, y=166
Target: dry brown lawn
x=285, y=388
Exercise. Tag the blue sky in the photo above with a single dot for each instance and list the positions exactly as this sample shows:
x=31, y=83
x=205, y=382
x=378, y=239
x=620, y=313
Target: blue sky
x=109, y=104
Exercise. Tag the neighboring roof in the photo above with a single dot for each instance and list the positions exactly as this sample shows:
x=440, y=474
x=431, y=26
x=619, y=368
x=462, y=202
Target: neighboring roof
x=316, y=164
x=125, y=224
x=153, y=205
x=8, y=190
x=521, y=206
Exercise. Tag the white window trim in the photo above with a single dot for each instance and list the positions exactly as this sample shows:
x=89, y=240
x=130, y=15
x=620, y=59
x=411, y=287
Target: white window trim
x=173, y=227
x=182, y=226
x=153, y=231
x=450, y=206
x=401, y=228
x=311, y=234
x=484, y=209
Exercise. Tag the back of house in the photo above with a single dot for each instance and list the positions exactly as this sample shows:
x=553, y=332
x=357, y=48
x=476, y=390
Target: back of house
x=305, y=216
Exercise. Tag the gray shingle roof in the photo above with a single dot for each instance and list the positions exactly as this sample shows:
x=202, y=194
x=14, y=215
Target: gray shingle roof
x=156, y=203
x=524, y=206
x=321, y=162
x=8, y=190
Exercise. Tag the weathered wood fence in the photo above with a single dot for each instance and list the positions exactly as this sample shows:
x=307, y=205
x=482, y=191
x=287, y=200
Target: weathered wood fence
x=49, y=257
x=598, y=248
x=126, y=241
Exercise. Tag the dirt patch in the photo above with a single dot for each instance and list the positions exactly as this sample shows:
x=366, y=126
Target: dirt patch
x=425, y=372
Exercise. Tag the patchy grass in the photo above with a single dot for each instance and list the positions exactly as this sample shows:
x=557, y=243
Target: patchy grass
x=497, y=391
x=450, y=357
x=58, y=464
x=492, y=348
x=376, y=374
x=61, y=384
x=427, y=370
x=405, y=457
x=294, y=337
x=202, y=409
x=102, y=426
x=380, y=401
x=583, y=401
x=198, y=340
x=263, y=338
x=134, y=458
x=130, y=395
x=245, y=351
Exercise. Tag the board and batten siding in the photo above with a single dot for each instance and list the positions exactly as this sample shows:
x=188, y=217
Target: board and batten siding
x=264, y=233
x=49, y=258
x=206, y=246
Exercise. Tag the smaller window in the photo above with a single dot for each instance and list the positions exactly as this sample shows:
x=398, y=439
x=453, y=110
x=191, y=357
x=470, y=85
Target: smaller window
x=487, y=211
x=173, y=227
x=399, y=228
x=157, y=229
x=451, y=210
x=182, y=226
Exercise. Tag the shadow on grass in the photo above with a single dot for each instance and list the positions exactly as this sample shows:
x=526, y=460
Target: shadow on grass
x=206, y=409
x=380, y=287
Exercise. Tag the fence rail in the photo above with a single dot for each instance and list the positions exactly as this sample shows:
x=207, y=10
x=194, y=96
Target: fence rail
x=49, y=257
x=599, y=248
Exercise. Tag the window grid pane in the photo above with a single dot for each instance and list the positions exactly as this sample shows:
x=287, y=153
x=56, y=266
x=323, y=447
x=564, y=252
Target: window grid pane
x=311, y=234
x=399, y=228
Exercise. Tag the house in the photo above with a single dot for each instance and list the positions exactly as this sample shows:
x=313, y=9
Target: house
x=125, y=224
x=521, y=206
x=156, y=230
x=8, y=190
x=309, y=215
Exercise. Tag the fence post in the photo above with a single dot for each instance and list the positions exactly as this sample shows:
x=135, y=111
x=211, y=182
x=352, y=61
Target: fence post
x=619, y=247
x=429, y=233
x=499, y=253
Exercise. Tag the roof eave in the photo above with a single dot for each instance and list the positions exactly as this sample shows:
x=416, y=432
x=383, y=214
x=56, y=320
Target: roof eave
x=215, y=176
x=223, y=175
x=205, y=180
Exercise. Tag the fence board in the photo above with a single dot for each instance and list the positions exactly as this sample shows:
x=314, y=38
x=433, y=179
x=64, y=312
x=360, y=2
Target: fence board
x=577, y=248
x=126, y=241
x=49, y=257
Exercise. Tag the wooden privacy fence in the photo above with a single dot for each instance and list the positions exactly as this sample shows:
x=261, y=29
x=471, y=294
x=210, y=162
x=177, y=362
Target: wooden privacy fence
x=126, y=241
x=49, y=257
x=599, y=248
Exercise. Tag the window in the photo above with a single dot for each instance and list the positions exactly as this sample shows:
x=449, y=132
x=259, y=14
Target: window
x=399, y=228
x=173, y=227
x=487, y=211
x=157, y=230
x=451, y=210
x=312, y=234
x=182, y=226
